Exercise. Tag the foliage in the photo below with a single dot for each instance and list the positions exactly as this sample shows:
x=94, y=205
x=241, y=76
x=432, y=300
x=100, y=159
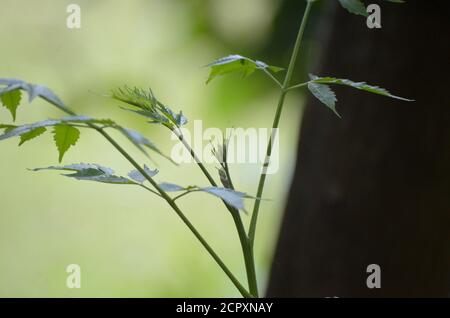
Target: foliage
x=143, y=102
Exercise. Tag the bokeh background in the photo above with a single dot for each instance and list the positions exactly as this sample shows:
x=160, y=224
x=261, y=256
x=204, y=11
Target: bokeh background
x=127, y=242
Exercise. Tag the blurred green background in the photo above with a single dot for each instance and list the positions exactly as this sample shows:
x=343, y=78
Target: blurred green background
x=127, y=242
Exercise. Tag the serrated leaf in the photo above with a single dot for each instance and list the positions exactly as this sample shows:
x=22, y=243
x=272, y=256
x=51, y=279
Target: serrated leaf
x=139, y=177
x=143, y=99
x=33, y=91
x=13, y=131
x=325, y=95
x=233, y=198
x=358, y=85
x=237, y=64
x=90, y=172
x=354, y=6
x=31, y=134
x=149, y=106
x=65, y=136
x=7, y=128
x=20, y=130
x=11, y=100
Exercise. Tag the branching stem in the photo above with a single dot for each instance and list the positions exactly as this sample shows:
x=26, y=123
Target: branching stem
x=175, y=207
x=276, y=121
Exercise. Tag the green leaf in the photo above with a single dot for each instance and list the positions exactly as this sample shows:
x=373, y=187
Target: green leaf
x=231, y=197
x=13, y=131
x=65, y=136
x=7, y=128
x=358, y=85
x=33, y=91
x=31, y=134
x=325, y=95
x=237, y=64
x=149, y=106
x=140, y=142
x=139, y=177
x=136, y=97
x=11, y=100
x=90, y=172
x=354, y=6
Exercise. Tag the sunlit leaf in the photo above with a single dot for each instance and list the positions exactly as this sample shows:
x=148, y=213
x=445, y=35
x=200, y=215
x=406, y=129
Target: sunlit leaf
x=7, y=128
x=11, y=100
x=31, y=134
x=65, y=136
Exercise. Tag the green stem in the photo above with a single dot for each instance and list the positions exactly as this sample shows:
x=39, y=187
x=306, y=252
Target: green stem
x=174, y=206
x=273, y=78
x=195, y=157
x=177, y=210
x=276, y=121
x=247, y=249
x=298, y=86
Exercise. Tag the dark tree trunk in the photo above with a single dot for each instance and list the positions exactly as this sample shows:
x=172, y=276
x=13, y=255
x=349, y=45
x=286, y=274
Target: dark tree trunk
x=374, y=187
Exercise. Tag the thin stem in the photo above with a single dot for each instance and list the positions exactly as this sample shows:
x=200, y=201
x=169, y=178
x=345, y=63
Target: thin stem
x=177, y=210
x=243, y=238
x=273, y=78
x=195, y=157
x=247, y=251
x=148, y=189
x=174, y=206
x=182, y=195
x=276, y=121
x=297, y=86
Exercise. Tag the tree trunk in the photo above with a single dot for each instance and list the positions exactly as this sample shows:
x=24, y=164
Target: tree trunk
x=374, y=187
